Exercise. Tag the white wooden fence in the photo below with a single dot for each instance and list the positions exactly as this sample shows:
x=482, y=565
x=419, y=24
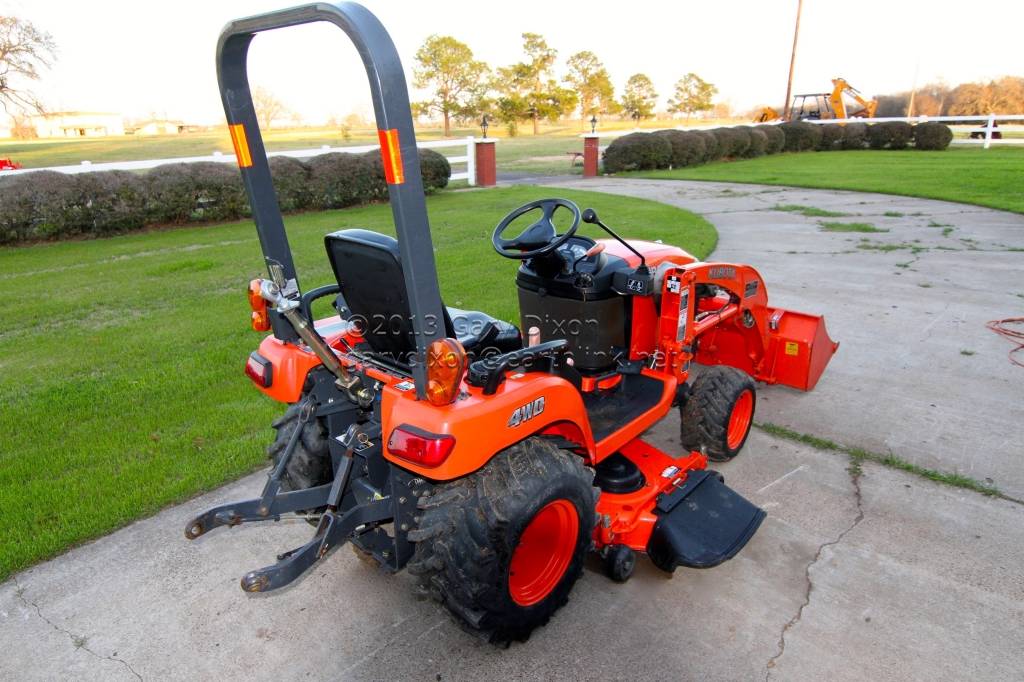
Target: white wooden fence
x=960, y=124
x=467, y=144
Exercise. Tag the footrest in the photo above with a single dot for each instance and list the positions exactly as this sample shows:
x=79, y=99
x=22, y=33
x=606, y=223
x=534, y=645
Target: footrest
x=701, y=524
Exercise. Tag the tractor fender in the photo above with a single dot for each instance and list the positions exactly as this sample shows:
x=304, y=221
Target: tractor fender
x=483, y=425
x=290, y=366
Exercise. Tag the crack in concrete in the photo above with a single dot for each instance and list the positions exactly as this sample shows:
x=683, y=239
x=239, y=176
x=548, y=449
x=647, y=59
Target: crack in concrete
x=78, y=641
x=855, y=474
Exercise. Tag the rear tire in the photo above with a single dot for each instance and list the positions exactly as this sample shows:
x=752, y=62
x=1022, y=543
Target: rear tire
x=310, y=464
x=502, y=548
x=718, y=412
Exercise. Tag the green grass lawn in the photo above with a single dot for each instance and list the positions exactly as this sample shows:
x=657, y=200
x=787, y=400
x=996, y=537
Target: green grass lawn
x=987, y=177
x=121, y=385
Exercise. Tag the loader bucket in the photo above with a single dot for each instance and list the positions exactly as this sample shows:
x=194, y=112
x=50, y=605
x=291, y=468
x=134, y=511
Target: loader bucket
x=798, y=349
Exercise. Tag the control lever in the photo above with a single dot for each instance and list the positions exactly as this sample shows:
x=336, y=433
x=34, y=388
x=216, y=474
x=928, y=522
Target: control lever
x=590, y=216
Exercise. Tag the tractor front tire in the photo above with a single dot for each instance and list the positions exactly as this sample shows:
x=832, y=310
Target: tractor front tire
x=718, y=412
x=503, y=547
x=310, y=464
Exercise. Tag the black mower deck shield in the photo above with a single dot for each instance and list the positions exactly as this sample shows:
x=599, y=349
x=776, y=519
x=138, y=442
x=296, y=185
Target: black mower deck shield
x=701, y=524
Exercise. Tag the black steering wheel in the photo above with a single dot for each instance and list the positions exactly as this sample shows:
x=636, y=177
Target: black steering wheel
x=541, y=237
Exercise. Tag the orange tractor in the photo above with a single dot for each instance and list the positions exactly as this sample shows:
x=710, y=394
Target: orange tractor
x=436, y=439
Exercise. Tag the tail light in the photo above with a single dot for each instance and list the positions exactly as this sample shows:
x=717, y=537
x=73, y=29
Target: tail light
x=259, y=369
x=419, y=446
x=446, y=363
x=260, y=316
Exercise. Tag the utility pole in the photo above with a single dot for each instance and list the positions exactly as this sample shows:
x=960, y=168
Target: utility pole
x=792, y=62
x=913, y=92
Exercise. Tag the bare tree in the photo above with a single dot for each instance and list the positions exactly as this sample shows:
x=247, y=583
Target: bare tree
x=24, y=50
x=268, y=106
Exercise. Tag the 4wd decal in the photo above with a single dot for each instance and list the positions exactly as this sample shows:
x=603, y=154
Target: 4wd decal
x=750, y=289
x=527, y=411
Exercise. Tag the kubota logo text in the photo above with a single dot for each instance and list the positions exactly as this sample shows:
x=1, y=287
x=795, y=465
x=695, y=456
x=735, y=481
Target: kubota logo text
x=527, y=411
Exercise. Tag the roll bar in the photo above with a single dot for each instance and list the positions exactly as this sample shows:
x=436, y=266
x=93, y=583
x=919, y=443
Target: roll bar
x=398, y=151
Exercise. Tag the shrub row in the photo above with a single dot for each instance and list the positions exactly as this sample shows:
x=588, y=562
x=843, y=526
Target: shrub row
x=681, y=148
x=49, y=205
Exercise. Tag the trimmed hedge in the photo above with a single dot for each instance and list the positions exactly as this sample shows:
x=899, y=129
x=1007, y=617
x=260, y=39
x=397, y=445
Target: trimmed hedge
x=49, y=205
x=831, y=137
x=932, y=136
x=637, y=151
x=434, y=168
x=855, y=135
x=758, y=143
x=890, y=134
x=734, y=142
x=776, y=138
x=688, y=148
x=291, y=183
x=338, y=180
x=801, y=136
x=682, y=148
x=712, y=150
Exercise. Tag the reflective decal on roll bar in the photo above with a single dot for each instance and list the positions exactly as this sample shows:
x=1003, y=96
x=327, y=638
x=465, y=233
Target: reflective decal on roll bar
x=394, y=173
x=241, y=143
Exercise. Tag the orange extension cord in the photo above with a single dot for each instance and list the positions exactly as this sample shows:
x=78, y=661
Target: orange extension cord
x=1002, y=327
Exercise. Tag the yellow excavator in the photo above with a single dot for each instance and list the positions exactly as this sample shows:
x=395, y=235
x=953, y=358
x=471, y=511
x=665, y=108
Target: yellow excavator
x=824, y=105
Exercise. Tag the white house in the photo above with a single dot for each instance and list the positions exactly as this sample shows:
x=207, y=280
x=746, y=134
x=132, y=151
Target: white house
x=78, y=124
x=159, y=126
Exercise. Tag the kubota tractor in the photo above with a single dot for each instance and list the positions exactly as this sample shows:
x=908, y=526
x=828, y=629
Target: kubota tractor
x=436, y=439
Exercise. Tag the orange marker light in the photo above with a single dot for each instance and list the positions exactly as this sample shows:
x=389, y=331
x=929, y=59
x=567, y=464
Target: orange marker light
x=394, y=173
x=446, y=363
x=241, y=143
x=260, y=316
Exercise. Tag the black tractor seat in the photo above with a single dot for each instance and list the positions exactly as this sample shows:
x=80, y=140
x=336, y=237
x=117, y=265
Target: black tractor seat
x=480, y=333
x=368, y=267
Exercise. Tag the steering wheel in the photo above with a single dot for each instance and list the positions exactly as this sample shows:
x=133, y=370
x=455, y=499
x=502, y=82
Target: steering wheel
x=541, y=237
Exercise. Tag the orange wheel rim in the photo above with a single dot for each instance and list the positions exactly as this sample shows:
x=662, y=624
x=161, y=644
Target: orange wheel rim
x=739, y=420
x=544, y=551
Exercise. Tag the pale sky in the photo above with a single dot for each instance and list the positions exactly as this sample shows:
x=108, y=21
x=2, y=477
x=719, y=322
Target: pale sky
x=143, y=57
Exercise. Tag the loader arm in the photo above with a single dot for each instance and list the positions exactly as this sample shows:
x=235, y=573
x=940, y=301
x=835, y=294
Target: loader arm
x=718, y=314
x=839, y=87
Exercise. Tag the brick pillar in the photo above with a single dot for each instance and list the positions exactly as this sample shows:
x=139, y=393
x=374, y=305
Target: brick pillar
x=590, y=153
x=486, y=165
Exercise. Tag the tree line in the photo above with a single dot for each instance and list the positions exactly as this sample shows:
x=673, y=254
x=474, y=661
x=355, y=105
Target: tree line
x=1001, y=96
x=464, y=89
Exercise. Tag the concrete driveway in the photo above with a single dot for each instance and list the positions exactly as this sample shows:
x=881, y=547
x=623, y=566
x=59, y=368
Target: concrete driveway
x=870, y=574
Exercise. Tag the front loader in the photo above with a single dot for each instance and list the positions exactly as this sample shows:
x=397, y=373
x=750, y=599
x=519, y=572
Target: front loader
x=440, y=440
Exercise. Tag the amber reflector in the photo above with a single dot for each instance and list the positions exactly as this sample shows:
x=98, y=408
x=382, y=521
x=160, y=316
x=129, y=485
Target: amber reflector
x=391, y=156
x=446, y=363
x=241, y=144
x=260, y=316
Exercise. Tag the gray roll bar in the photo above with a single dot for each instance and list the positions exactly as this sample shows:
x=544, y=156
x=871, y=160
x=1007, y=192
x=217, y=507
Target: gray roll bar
x=398, y=148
